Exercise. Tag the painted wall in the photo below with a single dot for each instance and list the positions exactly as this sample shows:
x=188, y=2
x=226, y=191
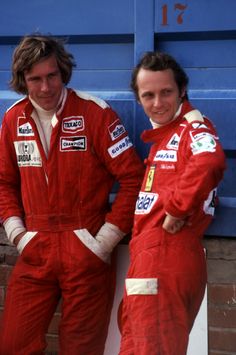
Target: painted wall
x=107, y=37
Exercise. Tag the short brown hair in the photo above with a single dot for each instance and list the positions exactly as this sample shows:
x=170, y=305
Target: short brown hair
x=158, y=61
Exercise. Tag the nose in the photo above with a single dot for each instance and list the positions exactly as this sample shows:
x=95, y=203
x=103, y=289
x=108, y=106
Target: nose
x=157, y=101
x=45, y=85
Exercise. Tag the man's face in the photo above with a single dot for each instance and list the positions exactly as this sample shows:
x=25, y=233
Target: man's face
x=44, y=83
x=159, y=94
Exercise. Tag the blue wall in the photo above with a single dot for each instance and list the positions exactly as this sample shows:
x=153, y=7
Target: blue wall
x=107, y=38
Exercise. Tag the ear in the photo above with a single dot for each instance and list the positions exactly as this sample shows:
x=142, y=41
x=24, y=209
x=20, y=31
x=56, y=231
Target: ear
x=183, y=92
x=138, y=100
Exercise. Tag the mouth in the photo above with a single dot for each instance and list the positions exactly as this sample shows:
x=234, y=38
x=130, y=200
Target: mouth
x=159, y=112
x=46, y=97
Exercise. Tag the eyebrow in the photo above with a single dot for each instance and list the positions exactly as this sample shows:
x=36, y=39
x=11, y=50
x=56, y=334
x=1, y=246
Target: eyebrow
x=54, y=72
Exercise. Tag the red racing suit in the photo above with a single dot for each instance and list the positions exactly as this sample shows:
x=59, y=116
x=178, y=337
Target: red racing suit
x=167, y=275
x=57, y=196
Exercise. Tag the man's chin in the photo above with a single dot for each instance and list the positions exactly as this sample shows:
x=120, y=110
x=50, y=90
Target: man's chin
x=48, y=106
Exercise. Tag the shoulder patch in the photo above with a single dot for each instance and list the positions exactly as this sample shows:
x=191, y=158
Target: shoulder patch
x=85, y=96
x=194, y=115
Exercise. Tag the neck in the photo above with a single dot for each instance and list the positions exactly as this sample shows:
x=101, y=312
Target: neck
x=51, y=112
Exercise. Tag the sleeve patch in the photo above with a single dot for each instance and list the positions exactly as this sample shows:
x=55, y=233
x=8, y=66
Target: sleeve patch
x=210, y=203
x=116, y=129
x=119, y=147
x=203, y=143
x=141, y=286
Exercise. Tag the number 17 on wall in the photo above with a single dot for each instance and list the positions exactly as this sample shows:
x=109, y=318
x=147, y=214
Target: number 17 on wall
x=179, y=8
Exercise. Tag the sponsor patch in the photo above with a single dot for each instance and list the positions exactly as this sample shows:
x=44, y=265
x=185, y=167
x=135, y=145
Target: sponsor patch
x=68, y=144
x=210, y=203
x=173, y=142
x=120, y=147
x=150, y=178
x=27, y=153
x=204, y=143
x=167, y=166
x=73, y=124
x=148, y=286
x=145, y=202
x=166, y=155
x=25, y=130
x=200, y=135
x=116, y=129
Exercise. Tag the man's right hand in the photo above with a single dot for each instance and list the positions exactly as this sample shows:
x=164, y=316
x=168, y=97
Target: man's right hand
x=172, y=224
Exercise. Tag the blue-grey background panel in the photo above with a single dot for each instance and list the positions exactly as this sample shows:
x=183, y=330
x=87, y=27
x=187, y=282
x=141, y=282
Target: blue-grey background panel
x=108, y=37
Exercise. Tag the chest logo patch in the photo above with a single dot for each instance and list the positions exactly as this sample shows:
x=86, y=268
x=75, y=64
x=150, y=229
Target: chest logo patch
x=68, y=144
x=150, y=178
x=27, y=153
x=25, y=130
x=166, y=155
x=173, y=142
x=145, y=202
x=73, y=124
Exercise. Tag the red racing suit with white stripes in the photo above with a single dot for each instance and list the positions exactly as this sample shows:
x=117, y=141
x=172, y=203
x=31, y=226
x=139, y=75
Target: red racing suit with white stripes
x=167, y=275
x=90, y=149
x=63, y=200
x=184, y=167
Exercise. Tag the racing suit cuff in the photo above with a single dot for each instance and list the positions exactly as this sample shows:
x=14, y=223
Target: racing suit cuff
x=109, y=236
x=13, y=227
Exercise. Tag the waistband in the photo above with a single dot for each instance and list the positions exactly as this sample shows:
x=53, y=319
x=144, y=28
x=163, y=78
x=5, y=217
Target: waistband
x=57, y=223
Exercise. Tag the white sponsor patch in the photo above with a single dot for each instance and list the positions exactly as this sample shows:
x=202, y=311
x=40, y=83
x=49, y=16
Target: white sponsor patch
x=68, y=144
x=25, y=130
x=116, y=129
x=210, y=202
x=166, y=155
x=145, y=202
x=147, y=286
x=120, y=147
x=203, y=143
x=173, y=142
x=27, y=154
x=73, y=124
x=196, y=136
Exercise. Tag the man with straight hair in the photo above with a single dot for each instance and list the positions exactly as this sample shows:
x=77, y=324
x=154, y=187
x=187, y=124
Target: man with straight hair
x=61, y=152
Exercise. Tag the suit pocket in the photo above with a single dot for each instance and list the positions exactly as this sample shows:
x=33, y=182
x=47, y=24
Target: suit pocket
x=92, y=244
x=25, y=240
